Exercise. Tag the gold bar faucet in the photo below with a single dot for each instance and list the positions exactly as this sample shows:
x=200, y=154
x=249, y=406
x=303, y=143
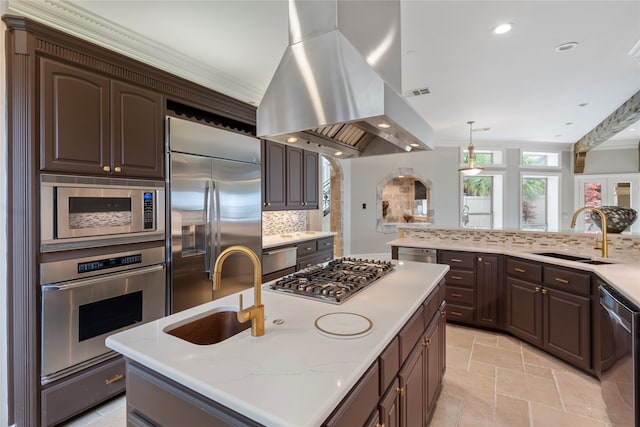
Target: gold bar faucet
x=605, y=245
x=255, y=313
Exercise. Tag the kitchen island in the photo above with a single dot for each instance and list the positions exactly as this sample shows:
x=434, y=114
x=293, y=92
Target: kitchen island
x=293, y=375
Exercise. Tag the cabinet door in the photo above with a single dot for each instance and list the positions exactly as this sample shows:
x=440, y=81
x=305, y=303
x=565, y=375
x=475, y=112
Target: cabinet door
x=136, y=132
x=487, y=290
x=390, y=406
x=273, y=175
x=311, y=180
x=412, y=389
x=433, y=342
x=524, y=310
x=74, y=112
x=567, y=330
x=295, y=170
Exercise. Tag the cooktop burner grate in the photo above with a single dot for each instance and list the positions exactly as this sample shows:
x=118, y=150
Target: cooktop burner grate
x=335, y=281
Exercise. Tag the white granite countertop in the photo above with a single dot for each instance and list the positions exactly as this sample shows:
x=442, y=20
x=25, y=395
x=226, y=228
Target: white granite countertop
x=623, y=273
x=288, y=238
x=292, y=376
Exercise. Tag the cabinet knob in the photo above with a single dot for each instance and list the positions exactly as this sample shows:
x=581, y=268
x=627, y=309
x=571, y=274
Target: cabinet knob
x=544, y=292
x=106, y=168
x=400, y=391
x=480, y=258
x=117, y=169
x=538, y=288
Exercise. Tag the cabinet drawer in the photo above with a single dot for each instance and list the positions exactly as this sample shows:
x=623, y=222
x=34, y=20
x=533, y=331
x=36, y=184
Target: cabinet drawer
x=389, y=363
x=314, y=258
x=464, y=296
x=457, y=259
x=460, y=278
x=567, y=280
x=307, y=247
x=433, y=301
x=325, y=243
x=410, y=334
x=524, y=270
x=460, y=313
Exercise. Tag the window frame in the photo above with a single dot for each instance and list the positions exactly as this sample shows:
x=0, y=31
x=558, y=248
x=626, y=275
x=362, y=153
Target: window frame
x=558, y=153
x=497, y=198
x=553, y=208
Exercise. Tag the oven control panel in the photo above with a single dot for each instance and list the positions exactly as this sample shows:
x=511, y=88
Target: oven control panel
x=148, y=210
x=103, y=264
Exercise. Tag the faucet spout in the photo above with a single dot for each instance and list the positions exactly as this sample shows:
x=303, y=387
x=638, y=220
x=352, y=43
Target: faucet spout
x=255, y=313
x=605, y=245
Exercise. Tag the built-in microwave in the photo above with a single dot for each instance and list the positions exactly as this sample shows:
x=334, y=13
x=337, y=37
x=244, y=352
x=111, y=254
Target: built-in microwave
x=78, y=212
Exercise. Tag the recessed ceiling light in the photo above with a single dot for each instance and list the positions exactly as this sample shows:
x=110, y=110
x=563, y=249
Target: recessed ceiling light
x=558, y=135
x=566, y=46
x=384, y=125
x=411, y=52
x=414, y=144
x=338, y=153
x=568, y=123
x=292, y=139
x=632, y=130
x=502, y=28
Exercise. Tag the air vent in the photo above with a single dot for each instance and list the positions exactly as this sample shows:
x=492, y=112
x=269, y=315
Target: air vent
x=417, y=92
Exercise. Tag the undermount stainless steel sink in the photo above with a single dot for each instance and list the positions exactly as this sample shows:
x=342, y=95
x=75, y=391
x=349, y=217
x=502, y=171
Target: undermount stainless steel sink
x=563, y=256
x=213, y=328
x=568, y=257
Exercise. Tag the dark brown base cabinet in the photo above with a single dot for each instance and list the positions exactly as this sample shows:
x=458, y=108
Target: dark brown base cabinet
x=551, y=307
x=398, y=390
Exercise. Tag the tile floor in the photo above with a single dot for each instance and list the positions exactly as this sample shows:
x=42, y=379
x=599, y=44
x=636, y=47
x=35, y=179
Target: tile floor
x=492, y=379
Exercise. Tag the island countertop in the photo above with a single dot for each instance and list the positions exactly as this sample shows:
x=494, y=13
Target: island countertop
x=292, y=376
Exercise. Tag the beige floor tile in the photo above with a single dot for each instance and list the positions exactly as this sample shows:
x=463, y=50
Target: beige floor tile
x=485, y=337
x=458, y=358
x=469, y=385
x=544, y=416
x=509, y=343
x=480, y=368
x=527, y=387
x=460, y=339
x=581, y=394
x=447, y=411
x=537, y=357
x=477, y=410
x=540, y=371
x=496, y=356
x=511, y=412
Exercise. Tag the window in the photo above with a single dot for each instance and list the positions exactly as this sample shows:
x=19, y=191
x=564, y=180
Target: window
x=481, y=201
x=540, y=159
x=539, y=202
x=484, y=157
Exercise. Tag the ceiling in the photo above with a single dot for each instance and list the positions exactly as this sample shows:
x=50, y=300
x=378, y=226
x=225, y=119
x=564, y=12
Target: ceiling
x=515, y=84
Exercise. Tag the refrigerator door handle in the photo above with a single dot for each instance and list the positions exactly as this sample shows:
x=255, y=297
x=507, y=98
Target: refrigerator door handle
x=215, y=224
x=209, y=255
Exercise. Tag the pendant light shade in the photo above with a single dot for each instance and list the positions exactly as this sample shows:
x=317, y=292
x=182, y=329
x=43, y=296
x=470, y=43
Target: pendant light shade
x=471, y=169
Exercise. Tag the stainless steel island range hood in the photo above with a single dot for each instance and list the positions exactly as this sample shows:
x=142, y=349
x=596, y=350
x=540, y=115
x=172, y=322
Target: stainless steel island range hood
x=327, y=97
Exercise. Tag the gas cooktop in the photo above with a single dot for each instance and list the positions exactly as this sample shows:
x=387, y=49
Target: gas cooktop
x=335, y=281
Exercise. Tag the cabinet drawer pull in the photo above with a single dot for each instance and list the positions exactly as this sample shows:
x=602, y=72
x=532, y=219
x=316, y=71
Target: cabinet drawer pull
x=560, y=280
x=327, y=244
x=456, y=277
x=538, y=288
x=456, y=260
x=457, y=295
x=519, y=270
x=544, y=292
x=456, y=313
x=106, y=168
x=400, y=391
x=117, y=169
x=379, y=425
x=118, y=377
x=309, y=249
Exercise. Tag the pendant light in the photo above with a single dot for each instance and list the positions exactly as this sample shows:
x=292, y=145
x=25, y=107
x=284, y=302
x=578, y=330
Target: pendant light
x=471, y=169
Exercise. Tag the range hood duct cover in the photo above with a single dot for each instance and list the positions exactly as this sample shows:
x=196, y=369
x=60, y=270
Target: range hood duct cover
x=325, y=93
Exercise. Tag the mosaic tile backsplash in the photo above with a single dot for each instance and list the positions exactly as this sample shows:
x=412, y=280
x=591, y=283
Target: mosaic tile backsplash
x=620, y=245
x=282, y=222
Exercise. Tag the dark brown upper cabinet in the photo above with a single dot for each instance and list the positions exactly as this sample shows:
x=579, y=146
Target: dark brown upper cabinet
x=290, y=177
x=94, y=125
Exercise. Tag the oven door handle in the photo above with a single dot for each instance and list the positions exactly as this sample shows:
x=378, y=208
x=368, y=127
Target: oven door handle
x=64, y=286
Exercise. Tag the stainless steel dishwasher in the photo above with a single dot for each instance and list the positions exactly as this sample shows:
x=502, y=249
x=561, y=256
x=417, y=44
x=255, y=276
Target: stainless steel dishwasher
x=418, y=254
x=278, y=262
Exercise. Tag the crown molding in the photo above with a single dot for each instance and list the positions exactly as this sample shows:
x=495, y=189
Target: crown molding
x=81, y=23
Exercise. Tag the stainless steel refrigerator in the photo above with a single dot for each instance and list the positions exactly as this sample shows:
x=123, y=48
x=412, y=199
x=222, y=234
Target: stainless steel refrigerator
x=215, y=202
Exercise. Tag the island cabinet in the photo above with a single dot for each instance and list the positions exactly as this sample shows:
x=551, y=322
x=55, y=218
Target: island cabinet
x=550, y=306
x=474, y=287
x=290, y=177
x=399, y=389
x=410, y=372
x=95, y=125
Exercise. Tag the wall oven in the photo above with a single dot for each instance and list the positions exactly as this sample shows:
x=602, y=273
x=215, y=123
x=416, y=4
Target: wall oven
x=618, y=357
x=86, y=299
x=79, y=212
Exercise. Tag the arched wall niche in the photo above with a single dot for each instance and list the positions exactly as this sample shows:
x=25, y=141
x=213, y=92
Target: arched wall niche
x=403, y=196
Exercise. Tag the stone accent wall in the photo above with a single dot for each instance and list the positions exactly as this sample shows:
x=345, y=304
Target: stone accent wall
x=622, y=246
